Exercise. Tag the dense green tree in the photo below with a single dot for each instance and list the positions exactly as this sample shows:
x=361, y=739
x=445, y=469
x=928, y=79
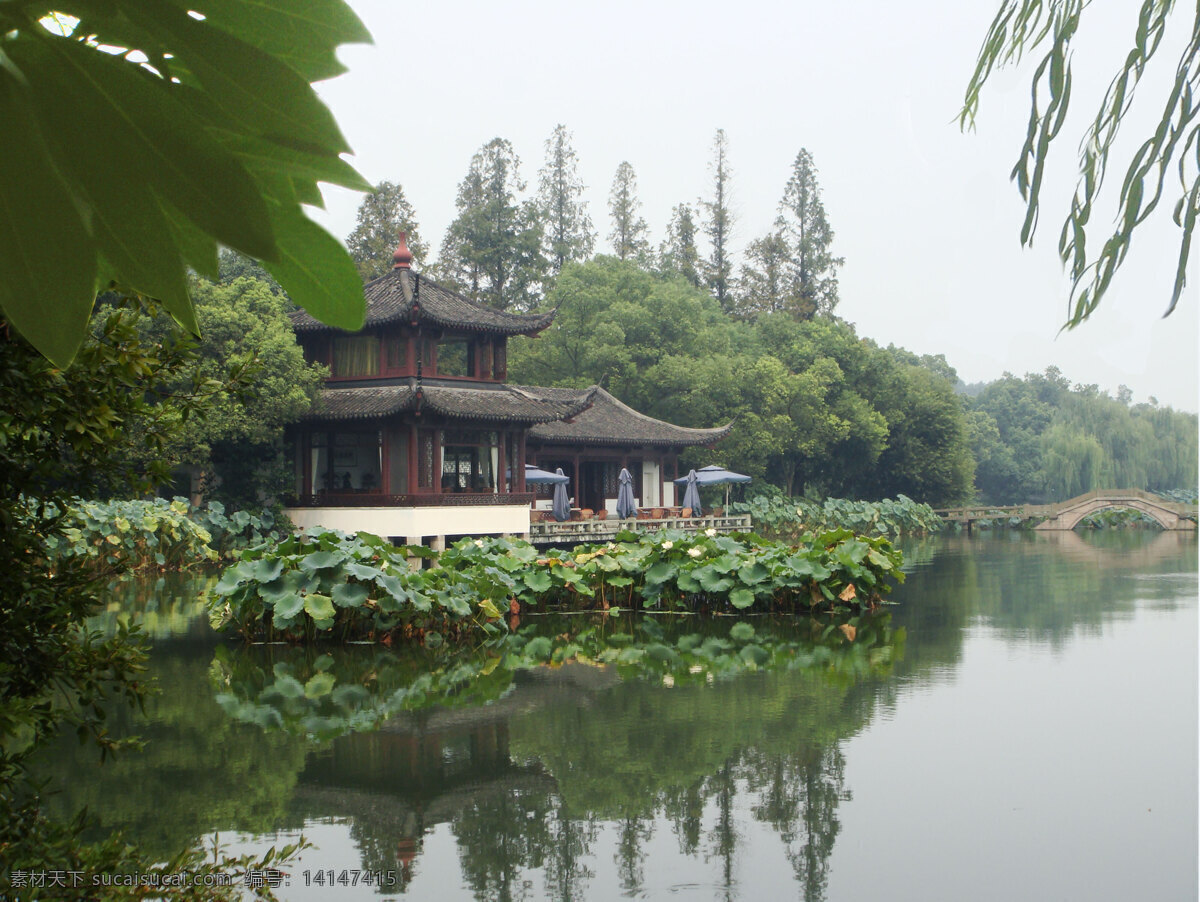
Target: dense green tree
x=492, y=250
x=1039, y=438
x=568, y=235
x=718, y=224
x=614, y=323
x=233, y=266
x=1021, y=26
x=928, y=453
x=212, y=135
x=766, y=275
x=382, y=216
x=629, y=236
x=236, y=443
x=678, y=255
x=1021, y=417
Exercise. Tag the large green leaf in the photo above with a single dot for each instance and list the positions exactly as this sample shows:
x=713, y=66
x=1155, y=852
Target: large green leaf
x=169, y=148
x=278, y=101
x=302, y=34
x=316, y=271
x=47, y=285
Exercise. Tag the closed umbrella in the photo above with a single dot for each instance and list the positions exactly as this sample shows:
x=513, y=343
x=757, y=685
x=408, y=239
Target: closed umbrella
x=691, y=496
x=626, y=506
x=561, y=506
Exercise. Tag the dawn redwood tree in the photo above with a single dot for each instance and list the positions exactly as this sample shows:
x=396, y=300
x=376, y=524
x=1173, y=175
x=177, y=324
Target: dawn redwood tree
x=493, y=249
x=382, y=216
x=629, y=236
x=678, y=255
x=718, y=225
x=813, y=268
x=568, y=235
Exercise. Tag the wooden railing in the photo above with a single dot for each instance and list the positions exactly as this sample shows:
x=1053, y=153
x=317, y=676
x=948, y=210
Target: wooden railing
x=593, y=530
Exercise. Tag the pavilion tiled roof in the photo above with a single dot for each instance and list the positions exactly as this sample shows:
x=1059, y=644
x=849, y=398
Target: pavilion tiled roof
x=402, y=296
x=497, y=403
x=609, y=422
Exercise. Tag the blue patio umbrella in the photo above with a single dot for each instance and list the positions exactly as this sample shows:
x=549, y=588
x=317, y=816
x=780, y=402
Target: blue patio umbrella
x=714, y=475
x=626, y=506
x=561, y=506
x=536, y=476
x=691, y=496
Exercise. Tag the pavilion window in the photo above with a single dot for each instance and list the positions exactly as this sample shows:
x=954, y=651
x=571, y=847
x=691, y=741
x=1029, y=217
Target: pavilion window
x=470, y=459
x=425, y=459
x=357, y=355
x=500, y=361
x=485, y=359
x=396, y=350
x=347, y=461
x=456, y=357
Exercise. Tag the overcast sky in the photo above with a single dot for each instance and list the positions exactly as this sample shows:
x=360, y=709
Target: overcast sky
x=925, y=216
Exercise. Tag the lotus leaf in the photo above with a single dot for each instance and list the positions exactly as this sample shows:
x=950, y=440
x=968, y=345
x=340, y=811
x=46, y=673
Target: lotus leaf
x=319, y=607
x=288, y=607
x=320, y=560
x=741, y=598
x=349, y=595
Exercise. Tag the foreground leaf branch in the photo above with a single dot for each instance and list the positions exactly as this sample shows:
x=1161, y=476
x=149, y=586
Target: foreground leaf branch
x=1020, y=27
x=141, y=135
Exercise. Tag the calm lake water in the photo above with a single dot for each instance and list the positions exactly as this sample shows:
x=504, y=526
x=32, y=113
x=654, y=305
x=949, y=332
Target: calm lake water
x=1022, y=724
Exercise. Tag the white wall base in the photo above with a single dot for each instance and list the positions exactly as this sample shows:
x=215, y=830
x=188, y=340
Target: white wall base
x=490, y=520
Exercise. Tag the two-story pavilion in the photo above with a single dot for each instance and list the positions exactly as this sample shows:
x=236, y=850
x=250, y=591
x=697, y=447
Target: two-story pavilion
x=417, y=435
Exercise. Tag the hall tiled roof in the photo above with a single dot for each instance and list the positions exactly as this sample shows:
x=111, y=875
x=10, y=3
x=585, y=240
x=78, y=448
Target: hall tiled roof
x=497, y=403
x=609, y=422
x=401, y=296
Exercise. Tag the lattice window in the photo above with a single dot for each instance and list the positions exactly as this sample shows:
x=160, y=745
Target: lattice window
x=425, y=456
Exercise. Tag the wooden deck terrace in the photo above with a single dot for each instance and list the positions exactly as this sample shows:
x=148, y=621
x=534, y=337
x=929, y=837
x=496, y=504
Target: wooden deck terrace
x=568, y=532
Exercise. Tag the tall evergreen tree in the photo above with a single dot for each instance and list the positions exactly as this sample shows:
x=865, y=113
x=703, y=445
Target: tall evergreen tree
x=630, y=237
x=678, y=255
x=718, y=224
x=568, y=233
x=814, y=286
x=493, y=249
x=382, y=215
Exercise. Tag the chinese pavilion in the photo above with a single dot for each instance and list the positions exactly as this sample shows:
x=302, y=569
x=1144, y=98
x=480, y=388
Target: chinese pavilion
x=417, y=435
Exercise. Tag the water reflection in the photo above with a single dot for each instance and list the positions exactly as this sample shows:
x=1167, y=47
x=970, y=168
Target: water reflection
x=587, y=758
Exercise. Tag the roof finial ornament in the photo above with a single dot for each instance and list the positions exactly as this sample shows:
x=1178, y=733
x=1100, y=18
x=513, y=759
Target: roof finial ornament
x=402, y=258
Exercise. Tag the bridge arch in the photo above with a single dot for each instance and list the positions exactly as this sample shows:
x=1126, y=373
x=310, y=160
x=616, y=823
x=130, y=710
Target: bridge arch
x=1068, y=514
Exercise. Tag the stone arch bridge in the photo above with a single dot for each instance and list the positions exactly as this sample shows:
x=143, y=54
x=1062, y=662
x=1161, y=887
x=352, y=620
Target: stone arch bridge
x=1066, y=514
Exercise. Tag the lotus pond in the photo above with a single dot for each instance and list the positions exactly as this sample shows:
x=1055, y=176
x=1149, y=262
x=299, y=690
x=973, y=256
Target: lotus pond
x=1022, y=723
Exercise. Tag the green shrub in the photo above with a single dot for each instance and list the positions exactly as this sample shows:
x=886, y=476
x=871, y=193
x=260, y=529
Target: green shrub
x=784, y=518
